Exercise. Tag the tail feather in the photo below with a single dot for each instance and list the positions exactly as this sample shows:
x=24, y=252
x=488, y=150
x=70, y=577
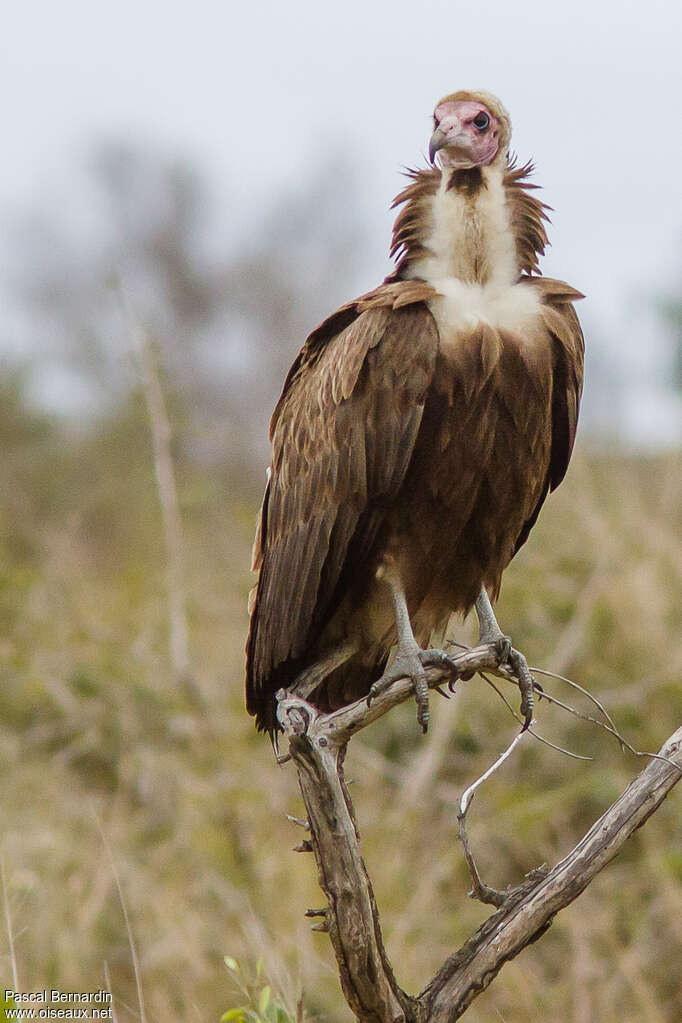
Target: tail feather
x=345, y=683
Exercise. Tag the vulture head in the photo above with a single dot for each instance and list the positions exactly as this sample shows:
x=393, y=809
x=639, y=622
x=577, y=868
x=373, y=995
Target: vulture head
x=471, y=129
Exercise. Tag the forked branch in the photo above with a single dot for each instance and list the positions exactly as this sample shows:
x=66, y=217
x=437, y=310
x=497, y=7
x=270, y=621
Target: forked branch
x=317, y=745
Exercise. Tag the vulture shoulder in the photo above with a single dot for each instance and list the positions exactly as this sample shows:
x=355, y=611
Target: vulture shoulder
x=568, y=350
x=343, y=433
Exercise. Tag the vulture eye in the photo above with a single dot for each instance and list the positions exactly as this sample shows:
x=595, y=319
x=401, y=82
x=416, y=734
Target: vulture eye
x=481, y=121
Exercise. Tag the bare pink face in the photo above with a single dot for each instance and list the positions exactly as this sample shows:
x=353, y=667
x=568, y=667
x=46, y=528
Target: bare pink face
x=466, y=134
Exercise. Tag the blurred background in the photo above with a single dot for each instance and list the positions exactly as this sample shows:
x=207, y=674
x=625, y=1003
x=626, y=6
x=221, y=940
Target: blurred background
x=185, y=191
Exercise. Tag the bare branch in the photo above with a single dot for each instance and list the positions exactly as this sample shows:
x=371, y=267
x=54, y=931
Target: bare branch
x=528, y=915
x=339, y=726
x=317, y=745
x=480, y=890
x=352, y=919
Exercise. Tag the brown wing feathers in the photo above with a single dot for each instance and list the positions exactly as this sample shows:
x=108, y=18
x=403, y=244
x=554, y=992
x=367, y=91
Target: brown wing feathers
x=343, y=434
x=561, y=321
x=568, y=347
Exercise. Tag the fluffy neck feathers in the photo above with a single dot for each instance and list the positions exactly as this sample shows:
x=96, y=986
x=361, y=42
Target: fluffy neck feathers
x=480, y=225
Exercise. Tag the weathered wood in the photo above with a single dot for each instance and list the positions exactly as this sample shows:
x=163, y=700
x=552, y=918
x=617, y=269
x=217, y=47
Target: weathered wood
x=352, y=918
x=317, y=744
x=527, y=917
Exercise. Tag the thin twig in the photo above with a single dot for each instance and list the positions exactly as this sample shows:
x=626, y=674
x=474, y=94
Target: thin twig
x=575, y=685
x=107, y=981
x=469, y=793
x=536, y=735
x=302, y=822
x=480, y=890
x=8, y=922
x=611, y=729
x=129, y=930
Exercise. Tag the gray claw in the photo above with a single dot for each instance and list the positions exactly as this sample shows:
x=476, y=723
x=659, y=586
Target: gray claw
x=519, y=666
x=411, y=665
x=504, y=648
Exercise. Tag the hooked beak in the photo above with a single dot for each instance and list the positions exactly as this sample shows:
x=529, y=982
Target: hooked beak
x=437, y=141
x=450, y=132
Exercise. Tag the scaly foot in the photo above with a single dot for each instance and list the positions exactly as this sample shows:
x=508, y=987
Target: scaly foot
x=491, y=633
x=411, y=662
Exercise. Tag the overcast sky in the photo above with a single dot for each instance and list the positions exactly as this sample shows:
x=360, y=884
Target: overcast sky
x=253, y=92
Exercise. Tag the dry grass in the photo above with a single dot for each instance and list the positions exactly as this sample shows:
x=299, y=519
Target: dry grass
x=193, y=806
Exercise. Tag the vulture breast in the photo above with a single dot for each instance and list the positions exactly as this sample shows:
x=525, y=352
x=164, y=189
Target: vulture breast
x=481, y=459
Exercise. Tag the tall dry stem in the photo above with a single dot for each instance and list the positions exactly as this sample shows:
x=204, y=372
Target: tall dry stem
x=164, y=472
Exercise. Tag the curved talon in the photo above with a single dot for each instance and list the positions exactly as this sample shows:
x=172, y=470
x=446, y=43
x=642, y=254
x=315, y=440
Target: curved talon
x=411, y=665
x=519, y=666
x=435, y=658
x=504, y=648
x=491, y=633
x=421, y=694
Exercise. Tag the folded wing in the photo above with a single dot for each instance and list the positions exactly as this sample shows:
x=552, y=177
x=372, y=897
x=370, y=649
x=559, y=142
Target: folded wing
x=562, y=324
x=343, y=434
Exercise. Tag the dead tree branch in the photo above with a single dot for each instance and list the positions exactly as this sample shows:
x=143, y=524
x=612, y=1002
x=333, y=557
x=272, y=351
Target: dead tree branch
x=317, y=745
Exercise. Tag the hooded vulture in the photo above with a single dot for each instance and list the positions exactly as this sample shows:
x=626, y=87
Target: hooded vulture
x=418, y=433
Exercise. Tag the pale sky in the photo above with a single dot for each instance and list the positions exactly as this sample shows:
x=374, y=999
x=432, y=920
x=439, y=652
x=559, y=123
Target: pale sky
x=252, y=92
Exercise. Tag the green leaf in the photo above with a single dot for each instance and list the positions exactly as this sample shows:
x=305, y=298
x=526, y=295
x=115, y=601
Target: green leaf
x=236, y=1014
x=264, y=1000
x=259, y=967
x=231, y=964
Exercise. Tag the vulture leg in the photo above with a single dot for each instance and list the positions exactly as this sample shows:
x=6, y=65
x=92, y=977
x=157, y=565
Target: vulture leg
x=491, y=634
x=410, y=660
